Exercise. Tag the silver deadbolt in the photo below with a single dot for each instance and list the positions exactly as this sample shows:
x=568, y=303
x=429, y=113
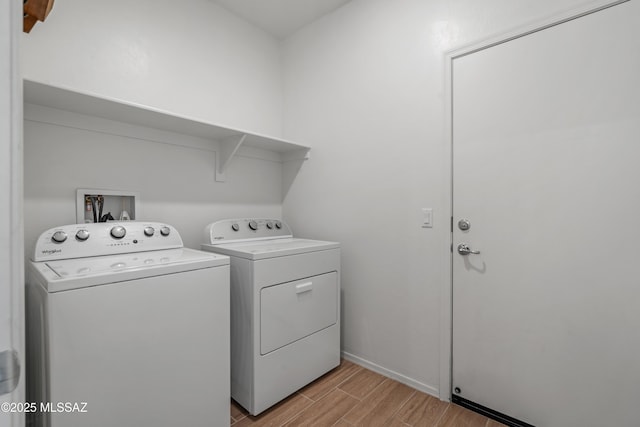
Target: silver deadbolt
x=464, y=224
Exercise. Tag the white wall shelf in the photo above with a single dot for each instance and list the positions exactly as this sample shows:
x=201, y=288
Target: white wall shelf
x=227, y=140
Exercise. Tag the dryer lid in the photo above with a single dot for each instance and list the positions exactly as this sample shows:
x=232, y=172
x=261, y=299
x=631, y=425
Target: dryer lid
x=261, y=249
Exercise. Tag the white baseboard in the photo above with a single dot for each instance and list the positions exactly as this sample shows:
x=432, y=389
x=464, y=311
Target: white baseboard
x=433, y=391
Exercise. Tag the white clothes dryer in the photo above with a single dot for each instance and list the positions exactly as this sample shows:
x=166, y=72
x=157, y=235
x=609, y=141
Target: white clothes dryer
x=126, y=327
x=285, y=308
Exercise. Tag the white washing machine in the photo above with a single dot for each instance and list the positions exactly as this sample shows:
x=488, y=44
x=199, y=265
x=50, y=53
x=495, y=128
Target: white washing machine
x=285, y=308
x=126, y=327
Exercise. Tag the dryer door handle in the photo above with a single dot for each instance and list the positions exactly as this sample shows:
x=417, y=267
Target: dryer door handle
x=304, y=287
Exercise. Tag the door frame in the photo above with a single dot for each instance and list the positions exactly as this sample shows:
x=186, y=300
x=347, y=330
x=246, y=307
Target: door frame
x=446, y=294
x=12, y=227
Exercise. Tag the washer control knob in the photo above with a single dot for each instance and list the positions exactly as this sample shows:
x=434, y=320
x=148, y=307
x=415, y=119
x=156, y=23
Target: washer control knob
x=278, y=225
x=235, y=227
x=253, y=225
x=148, y=231
x=269, y=225
x=82, y=235
x=164, y=230
x=118, y=232
x=59, y=236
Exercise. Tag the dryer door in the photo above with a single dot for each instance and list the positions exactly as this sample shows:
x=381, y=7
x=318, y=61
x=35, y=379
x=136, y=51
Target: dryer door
x=293, y=310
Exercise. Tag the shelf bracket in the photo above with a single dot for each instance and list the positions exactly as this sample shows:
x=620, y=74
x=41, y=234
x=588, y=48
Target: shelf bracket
x=228, y=148
x=300, y=154
x=292, y=162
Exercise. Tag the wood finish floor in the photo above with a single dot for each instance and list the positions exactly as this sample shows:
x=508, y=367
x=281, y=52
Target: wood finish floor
x=351, y=395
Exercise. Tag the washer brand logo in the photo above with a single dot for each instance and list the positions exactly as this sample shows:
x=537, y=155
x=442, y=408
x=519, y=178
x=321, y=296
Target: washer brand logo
x=51, y=251
x=218, y=238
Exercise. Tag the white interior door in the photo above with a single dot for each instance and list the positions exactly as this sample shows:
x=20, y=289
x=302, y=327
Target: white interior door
x=11, y=252
x=546, y=169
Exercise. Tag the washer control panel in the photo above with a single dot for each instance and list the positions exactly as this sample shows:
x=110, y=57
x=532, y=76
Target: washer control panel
x=105, y=238
x=230, y=230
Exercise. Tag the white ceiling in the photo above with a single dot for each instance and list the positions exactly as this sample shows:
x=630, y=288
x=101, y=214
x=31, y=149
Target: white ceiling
x=281, y=17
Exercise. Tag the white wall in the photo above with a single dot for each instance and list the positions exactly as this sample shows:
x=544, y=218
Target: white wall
x=189, y=57
x=365, y=87
x=174, y=174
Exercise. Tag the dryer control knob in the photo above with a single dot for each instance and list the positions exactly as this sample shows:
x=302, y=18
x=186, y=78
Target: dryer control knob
x=148, y=231
x=269, y=225
x=164, y=230
x=118, y=232
x=253, y=225
x=278, y=225
x=235, y=227
x=59, y=236
x=82, y=235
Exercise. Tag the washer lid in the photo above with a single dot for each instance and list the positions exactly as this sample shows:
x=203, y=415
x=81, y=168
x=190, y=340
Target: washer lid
x=261, y=249
x=84, y=272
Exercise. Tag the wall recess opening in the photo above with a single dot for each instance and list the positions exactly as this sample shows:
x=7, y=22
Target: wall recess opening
x=99, y=205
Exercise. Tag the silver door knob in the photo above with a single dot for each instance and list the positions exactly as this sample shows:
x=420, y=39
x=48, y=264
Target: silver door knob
x=464, y=249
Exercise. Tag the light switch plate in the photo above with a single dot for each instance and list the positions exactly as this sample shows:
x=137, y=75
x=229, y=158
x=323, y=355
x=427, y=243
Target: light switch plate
x=427, y=218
